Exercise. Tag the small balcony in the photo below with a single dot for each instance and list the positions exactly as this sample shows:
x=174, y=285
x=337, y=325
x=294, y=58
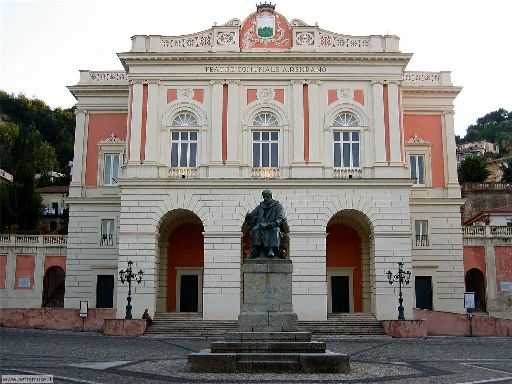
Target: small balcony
x=265, y=173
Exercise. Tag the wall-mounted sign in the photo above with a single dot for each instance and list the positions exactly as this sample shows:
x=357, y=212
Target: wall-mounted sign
x=506, y=286
x=84, y=308
x=469, y=301
x=24, y=282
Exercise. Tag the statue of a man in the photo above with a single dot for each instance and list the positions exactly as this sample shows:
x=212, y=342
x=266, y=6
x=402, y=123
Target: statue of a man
x=265, y=226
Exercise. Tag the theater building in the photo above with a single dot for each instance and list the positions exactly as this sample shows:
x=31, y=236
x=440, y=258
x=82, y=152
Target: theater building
x=171, y=153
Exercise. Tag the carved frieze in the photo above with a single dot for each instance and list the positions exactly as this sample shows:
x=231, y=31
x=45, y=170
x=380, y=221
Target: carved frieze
x=226, y=39
x=108, y=76
x=421, y=78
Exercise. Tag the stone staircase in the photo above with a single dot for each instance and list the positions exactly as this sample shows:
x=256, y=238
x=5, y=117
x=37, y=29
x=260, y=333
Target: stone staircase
x=192, y=324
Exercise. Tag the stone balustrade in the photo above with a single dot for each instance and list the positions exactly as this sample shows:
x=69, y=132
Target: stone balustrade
x=18, y=240
x=487, y=231
x=183, y=172
x=103, y=77
x=265, y=173
x=347, y=173
x=425, y=79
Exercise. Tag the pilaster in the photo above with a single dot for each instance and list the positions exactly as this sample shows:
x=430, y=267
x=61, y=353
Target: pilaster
x=297, y=124
x=135, y=124
x=450, y=155
x=394, y=123
x=378, y=123
x=234, y=98
x=79, y=153
x=152, y=127
x=216, y=122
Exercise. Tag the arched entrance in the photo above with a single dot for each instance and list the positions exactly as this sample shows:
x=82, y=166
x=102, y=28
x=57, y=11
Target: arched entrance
x=54, y=287
x=475, y=282
x=181, y=261
x=348, y=263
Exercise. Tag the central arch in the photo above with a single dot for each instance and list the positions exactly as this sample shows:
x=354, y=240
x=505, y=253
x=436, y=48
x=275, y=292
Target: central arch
x=181, y=261
x=348, y=251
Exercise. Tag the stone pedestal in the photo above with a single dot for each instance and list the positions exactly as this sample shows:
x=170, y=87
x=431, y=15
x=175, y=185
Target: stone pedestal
x=268, y=340
x=267, y=296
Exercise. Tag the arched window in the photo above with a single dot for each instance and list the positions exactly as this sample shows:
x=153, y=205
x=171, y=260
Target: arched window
x=346, y=140
x=346, y=119
x=184, y=140
x=185, y=119
x=265, y=141
x=265, y=119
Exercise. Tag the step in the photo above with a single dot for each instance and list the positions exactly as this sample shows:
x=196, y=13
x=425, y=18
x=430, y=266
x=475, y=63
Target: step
x=267, y=347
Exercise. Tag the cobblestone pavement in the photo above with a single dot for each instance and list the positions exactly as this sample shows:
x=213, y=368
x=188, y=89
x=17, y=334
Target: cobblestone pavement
x=90, y=358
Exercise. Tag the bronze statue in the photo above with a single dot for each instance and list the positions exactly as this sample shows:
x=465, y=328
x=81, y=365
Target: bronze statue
x=266, y=223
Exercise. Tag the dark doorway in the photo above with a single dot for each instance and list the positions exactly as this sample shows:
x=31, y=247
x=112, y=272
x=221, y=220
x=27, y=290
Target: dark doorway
x=54, y=287
x=423, y=287
x=340, y=294
x=189, y=289
x=475, y=282
x=105, y=291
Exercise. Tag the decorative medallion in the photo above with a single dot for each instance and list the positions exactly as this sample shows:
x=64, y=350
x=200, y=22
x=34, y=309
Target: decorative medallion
x=345, y=93
x=417, y=140
x=305, y=38
x=265, y=29
x=185, y=94
x=226, y=38
x=265, y=94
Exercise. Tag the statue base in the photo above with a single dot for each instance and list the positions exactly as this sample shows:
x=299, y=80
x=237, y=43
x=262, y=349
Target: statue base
x=267, y=296
x=268, y=340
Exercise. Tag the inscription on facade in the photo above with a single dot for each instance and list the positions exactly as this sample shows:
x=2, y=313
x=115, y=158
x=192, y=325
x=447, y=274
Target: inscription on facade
x=265, y=69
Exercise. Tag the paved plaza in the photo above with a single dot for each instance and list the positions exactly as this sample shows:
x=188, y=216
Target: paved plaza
x=74, y=357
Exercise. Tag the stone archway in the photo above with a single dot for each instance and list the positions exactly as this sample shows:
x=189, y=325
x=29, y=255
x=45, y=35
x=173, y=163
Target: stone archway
x=475, y=282
x=348, y=253
x=181, y=261
x=54, y=287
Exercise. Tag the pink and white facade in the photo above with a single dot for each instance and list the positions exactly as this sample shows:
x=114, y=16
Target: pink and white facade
x=173, y=151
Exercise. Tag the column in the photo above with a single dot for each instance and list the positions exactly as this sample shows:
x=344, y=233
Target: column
x=378, y=123
x=216, y=122
x=135, y=124
x=152, y=150
x=450, y=155
x=394, y=123
x=79, y=153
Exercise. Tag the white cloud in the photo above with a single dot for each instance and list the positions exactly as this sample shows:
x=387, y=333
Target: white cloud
x=44, y=43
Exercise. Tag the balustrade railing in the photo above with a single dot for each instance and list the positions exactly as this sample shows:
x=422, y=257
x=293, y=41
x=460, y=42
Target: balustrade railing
x=17, y=240
x=266, y=173
x=487, y=231
x=470, y=187
x=347, y=173
x=183, y=172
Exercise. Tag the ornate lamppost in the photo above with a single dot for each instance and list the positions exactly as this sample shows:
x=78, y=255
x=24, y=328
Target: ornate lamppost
x=403, y=277
x=128, y=276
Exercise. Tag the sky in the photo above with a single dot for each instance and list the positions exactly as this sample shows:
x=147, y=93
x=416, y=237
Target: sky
x=43, y=43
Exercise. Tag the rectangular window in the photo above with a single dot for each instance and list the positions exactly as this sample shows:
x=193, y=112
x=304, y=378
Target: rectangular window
x=265, y=149
x=423, y=289
x=421, y=232
x=417, y=163
x=110, y=168
x=105, y=291
x=107, y=233
x=346, y=149
x=3, y=270
x=24, y=275
x=184, y=149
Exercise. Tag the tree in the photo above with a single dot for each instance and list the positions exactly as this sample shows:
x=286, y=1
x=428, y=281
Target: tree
x=473, y=169
x=507, y=171
x=495, y=127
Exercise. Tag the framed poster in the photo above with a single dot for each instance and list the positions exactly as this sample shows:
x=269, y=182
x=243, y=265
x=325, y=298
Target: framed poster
x=469, y=301
x=84, y=308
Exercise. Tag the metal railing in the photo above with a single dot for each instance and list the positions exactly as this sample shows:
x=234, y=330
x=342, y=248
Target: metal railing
x=422, y=241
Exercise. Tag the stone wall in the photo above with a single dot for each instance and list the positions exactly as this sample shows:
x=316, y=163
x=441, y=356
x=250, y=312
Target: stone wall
x=479, y=200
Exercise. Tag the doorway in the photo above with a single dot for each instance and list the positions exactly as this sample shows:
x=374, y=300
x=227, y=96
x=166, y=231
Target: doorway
x=189, y=285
